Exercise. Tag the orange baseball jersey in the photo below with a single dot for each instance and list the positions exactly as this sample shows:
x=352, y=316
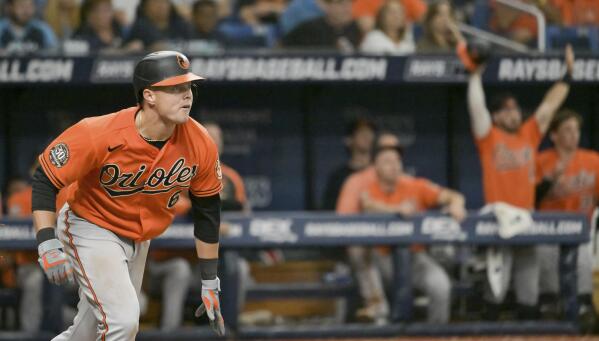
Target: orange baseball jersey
x=414, y=9
x=420, y=193
x=578, y=12
x=19, y=204
x=348, y=201
x=233, y=179
x=124, y=184
x=508, y=164
x=577, y=189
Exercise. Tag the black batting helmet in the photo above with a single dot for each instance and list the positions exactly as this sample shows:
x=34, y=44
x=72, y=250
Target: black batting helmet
x=162, y=68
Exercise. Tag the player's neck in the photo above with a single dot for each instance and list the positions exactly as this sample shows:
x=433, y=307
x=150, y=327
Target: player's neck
x=565, y=153
x=388, y=186
x=359, y=160
x=151, y=127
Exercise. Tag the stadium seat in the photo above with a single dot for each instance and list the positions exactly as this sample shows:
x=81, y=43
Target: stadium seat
x=481, y=15
x=242, y=35
x=581, y=38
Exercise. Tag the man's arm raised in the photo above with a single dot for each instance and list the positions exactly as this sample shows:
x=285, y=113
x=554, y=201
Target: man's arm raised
x=556, y=96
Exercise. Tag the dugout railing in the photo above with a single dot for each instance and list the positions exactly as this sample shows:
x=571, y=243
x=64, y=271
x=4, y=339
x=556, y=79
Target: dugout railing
x=323, y=230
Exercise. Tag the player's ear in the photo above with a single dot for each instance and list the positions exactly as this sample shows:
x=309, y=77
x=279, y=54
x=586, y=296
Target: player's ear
x=149, y=96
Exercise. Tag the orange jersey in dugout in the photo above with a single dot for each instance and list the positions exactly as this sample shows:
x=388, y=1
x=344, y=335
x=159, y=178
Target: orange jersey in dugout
x=577, y=189
x=419, y=193
x=508, y=164
x=124, y=184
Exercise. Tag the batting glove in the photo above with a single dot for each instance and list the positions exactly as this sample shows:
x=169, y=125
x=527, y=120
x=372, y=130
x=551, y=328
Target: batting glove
x=211, y=305
x=54, y=262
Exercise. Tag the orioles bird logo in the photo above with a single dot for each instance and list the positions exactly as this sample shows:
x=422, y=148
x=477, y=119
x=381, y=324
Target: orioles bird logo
x=183, y=62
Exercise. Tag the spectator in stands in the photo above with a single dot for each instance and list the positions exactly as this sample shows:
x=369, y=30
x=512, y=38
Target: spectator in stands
x=335, y=30
x=297, y=12
x=440, y=32
x=158, y=26
x=63, y=16
x=568, y=180
x=520, y=26
x=578, y=12
x=99, y=27
x=358, y=140
x=507, y=149
x=398, y=193
x=205, y=25
x=21, y=32
x=392, y=34
x=260, y=12
x=366, y=11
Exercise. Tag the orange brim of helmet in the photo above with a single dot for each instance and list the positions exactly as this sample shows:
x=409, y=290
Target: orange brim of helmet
x=188, y=77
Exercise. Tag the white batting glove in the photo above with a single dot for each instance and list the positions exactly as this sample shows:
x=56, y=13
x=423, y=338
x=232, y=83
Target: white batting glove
x=211, y=305
x=54, y=262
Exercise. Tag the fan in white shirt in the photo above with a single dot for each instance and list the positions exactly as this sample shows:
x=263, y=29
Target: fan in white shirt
x=392, y=34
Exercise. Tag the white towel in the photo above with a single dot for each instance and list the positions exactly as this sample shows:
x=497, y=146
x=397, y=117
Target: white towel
x=512, y=220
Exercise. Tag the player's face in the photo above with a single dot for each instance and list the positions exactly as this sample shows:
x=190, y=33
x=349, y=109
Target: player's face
x=362, y=139
x=216, y=134
x=173, y=103
x=509, y=117
x=567, y=135
x=388, y=166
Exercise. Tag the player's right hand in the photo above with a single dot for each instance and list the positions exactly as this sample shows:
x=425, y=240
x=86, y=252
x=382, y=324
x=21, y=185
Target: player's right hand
x=211, y=305
x=54, y=262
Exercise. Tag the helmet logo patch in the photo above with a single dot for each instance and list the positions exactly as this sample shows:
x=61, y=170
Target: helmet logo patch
x=183, y=61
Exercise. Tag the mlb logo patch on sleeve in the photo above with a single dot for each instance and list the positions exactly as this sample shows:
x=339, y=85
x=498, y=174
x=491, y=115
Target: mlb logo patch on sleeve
x=59, y=155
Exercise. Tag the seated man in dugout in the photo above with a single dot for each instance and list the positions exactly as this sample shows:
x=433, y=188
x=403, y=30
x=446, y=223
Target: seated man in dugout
x=393, y=191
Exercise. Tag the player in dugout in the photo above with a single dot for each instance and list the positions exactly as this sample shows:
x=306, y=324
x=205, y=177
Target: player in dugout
x=507, y=148
x=125, y=173
x=568, y=180
x=390, y=190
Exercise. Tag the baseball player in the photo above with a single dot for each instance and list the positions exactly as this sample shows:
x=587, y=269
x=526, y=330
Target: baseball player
x=507, y=149
x=393, y=191
x=125, y=173
x=568, y=181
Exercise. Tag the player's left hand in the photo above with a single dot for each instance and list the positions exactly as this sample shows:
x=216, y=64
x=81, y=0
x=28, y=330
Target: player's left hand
x=569, y=56
x=211, y=305
x=456, y=211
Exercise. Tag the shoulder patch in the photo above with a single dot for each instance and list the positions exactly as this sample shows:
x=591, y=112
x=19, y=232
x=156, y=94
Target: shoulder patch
x=59, y=155
x=218, y=170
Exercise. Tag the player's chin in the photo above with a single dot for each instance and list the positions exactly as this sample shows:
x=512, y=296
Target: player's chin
x=181, y=117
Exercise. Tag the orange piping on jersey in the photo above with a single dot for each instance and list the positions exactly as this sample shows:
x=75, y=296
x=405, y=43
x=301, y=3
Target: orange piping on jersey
x=89, y=284
x=49, y=173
